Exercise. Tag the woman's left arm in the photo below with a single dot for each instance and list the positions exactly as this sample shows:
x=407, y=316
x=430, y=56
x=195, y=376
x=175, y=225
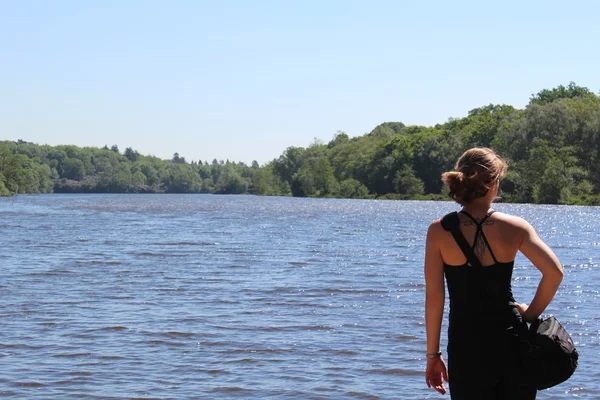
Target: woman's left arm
x=434, y=308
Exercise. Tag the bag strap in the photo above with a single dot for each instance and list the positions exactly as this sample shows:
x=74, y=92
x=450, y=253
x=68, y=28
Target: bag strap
x=451, y=223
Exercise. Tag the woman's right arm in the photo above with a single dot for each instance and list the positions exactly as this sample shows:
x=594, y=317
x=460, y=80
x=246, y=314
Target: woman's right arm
x=436, y=372
x=548, y=264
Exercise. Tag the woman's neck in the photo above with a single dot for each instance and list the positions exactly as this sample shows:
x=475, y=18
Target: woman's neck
x=478, y=208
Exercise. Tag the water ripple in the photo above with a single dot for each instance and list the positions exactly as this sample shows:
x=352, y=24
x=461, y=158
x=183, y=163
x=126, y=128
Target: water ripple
x=220, y=297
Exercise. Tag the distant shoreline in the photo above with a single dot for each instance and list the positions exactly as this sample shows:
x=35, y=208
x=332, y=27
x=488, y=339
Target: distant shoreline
x=552, y=148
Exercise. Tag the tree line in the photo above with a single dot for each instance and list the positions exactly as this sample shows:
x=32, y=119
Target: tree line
x=31, y=168
x=552, y=146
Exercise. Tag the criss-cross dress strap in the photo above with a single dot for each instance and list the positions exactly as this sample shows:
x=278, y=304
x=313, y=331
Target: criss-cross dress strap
x=479, y=231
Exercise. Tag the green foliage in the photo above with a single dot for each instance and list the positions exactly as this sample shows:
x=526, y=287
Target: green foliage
x=181, y=178
x=351, y=188
x=178, y=160
x=231, y=182
x=387, y=129
x=74, y=169
x=268, y=183
x=288, y=163
x=552, y=146
x=338, y=139
x=11, y=170
x=30, y=168
x=436, y=151
x=3, y=189
x=407, y=182
x=482, y=124
x=131, y=154
x=554, y=186
x=315, y=178
x=571, y=91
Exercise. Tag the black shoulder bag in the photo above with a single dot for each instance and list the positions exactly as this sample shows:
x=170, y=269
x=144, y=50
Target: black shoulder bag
x=546, y=348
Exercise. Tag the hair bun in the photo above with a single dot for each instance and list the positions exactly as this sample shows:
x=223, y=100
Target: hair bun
x=474, y=174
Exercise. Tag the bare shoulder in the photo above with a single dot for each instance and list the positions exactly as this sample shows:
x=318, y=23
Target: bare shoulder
x=512, y=221
x=435, y=229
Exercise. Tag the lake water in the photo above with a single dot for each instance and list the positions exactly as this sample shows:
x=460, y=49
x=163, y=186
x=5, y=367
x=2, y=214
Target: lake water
x=220, y=297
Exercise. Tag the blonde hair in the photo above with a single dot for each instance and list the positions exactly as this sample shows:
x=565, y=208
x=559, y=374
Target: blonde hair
x=475, y=173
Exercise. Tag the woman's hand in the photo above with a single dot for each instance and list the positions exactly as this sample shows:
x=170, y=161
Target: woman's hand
x=436, y=374
x=522, y=307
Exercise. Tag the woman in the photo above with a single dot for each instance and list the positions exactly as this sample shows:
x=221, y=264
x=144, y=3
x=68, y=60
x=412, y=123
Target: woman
x=482, y=350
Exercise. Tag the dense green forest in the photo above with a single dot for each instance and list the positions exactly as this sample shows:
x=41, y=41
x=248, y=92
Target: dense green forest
x=552, y=146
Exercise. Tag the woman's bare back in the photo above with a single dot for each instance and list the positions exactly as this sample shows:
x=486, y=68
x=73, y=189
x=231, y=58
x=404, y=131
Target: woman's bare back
x=504, y=234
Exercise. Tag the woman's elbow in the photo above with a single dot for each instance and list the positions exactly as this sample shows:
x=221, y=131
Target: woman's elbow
x=555, y=274
x=560, y=273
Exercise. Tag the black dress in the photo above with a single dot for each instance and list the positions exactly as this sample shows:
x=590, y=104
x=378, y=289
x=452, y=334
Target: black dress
x=482, y=349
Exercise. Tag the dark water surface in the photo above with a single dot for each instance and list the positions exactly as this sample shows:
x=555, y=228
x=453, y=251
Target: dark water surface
x=216, y=297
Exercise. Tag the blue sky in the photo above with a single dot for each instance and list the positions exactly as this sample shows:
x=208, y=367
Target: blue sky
x=243, y=80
